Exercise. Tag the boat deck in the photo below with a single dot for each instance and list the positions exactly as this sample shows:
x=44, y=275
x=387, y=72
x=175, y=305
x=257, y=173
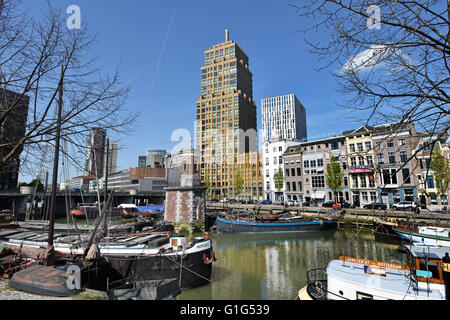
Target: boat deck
x=396, y=284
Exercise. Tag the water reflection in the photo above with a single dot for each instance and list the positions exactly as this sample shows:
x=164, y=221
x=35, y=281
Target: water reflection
x=273, y=266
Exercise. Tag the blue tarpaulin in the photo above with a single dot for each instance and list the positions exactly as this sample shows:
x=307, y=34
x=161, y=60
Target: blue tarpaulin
x=150, y=208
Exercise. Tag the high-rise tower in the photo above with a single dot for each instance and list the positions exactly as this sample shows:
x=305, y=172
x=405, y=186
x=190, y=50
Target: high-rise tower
x=226, y=116
x=95, y=152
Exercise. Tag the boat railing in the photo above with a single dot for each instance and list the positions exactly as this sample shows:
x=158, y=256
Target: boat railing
x=315, y=275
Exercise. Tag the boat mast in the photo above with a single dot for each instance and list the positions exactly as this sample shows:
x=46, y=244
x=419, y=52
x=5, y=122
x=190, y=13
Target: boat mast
x=50, y=250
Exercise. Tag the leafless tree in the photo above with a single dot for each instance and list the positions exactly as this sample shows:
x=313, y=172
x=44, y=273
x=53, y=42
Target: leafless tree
x=37, y=56
x=390, y=57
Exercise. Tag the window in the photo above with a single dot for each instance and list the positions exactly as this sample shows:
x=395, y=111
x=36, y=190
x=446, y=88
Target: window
x=430, y=182
x=306, y=164
x=287, y=172
x=365, y=198
x=390, y=144
x=368, y=145
x=373, y=197
x=299, y=172
x=369, y=160
x=380, y=157
x=405, y=174
x=352, y=147
x=378, y=145
x=360, y=161
x=363, y=181
x=401, y=142
x=391, y=156
x=318, y=181
x=403, y=156
x=360, y=146
x=293, y=172
x=355, y=181
x=353, y=161
x=313, y=163
x=320, y=162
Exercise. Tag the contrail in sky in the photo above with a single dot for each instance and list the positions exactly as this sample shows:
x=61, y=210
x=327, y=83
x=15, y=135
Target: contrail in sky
x=163, y=48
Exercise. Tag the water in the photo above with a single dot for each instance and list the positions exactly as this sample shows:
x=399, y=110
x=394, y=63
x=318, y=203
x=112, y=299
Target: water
x=273, y=266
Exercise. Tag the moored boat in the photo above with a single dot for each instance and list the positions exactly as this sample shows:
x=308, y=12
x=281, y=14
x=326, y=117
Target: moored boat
x=426, y=276
x=139, y=257
x=241, y=223
x=433, y=235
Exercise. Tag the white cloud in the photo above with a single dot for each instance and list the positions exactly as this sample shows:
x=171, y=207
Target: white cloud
x=369, y=58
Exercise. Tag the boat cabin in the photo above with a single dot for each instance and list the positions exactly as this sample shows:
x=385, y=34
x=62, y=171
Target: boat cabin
x=425, y=276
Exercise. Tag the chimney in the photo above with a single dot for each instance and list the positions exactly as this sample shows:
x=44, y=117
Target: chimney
x=227, y=35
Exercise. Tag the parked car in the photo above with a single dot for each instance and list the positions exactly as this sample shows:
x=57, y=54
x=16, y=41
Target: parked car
x=232, y=201
x=214, y=200
x=376, y=206
x=404, y=205
x=224, y=200
x=346, y=205
x=328, y=204
x=252, y=202
x=266, y=202
x=289, y=203
x=242, y=201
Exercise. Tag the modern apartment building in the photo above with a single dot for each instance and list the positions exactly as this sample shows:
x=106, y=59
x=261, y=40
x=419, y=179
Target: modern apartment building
x=283, y=117
x=12, y=129
x=95, y=153
x=225, y=115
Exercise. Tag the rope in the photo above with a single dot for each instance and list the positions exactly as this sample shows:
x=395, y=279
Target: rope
x=209, y=280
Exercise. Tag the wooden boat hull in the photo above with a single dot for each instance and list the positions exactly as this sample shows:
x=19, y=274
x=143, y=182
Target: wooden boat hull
x=195, y=268
x=225, y=225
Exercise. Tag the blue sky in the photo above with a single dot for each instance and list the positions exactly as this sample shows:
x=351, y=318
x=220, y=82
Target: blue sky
x=159, y=46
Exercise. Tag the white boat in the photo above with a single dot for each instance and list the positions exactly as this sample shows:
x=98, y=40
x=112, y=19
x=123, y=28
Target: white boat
x=438, y=236
x=425, y=277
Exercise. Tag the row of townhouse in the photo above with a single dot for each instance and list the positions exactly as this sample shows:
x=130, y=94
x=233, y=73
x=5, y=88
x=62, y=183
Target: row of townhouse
x=387, y=163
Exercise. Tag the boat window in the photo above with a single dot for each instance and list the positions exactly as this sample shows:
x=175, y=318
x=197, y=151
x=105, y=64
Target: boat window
x=363, y=296
x=433, y=267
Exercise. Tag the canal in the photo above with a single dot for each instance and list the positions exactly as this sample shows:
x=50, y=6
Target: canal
x=273, y=266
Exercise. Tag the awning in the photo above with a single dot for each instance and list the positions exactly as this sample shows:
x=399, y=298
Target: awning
x=318, y=195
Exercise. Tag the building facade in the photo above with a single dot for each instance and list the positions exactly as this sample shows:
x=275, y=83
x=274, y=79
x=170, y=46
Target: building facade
x=12, y=130
x=427, y=191
x=155, y=158
x=111, y=151
x=272, y=162
x=283, y=117
x=95, y=153
x=225, y=115
x=361, y=166
x=396, y=174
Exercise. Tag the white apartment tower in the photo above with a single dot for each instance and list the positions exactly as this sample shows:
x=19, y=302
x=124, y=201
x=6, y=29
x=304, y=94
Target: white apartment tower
x=283, y=118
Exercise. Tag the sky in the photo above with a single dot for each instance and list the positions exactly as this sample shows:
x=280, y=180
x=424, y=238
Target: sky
x=159, y=47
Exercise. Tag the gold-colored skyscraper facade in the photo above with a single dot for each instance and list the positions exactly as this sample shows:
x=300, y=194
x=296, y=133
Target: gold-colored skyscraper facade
x=226, y=121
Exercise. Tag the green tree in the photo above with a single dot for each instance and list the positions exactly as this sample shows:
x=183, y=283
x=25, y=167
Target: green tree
x=207, y=184
x=334, y=176
x=238, y=183
x=34, y=183
x=279, y=180
x=441, y=170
